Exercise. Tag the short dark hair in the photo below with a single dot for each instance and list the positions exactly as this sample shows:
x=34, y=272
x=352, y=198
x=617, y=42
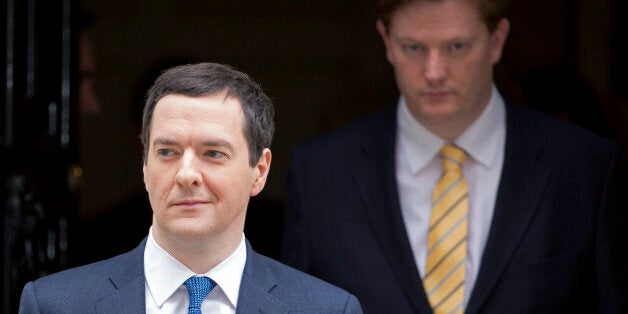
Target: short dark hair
x=204, y=79
x=492, y=11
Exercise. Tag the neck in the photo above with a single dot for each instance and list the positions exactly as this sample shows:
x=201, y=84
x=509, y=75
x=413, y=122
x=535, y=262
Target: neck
x=450, y=128
x=199, y=255
x=447, y=130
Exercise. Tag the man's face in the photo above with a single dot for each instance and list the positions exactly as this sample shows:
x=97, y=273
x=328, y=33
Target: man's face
x=443, y=56
x=197, y=171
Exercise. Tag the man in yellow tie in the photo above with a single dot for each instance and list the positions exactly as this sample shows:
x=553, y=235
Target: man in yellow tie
x=447, y=235
x=454, y=199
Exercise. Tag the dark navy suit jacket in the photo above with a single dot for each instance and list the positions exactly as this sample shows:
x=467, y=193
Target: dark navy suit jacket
x=549, y=244
x=117, y=285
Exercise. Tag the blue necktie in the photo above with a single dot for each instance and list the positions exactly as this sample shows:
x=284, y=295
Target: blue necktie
x=198, y=289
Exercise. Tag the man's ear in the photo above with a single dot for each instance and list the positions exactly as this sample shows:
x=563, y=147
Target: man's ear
x=144, y=174
x=262, y=168
x=383, y=33
x=498, y=40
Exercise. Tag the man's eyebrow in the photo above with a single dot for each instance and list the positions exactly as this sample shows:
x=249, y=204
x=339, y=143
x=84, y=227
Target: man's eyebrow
x=407, y=38
x=217, y=143
x=464, y=38
x=164, y=141
x=210, y=143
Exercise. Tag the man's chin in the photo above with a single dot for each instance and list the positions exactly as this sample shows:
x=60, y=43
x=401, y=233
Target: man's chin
x=440, y=113
x=185, y=230
x=192, y=234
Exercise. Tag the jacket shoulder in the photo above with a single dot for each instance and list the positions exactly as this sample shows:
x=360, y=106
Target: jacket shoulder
x=77, y=288
x=560, y=132
x=305, y=293
x=381, y=120
x=344, y=142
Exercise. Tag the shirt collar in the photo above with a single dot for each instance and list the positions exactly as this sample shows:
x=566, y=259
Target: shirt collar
x=416, y=142
x=228, y=274
x=479, y=140
x=165, y=274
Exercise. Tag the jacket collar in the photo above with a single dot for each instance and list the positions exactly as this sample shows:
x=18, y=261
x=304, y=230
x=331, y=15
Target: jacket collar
x=374, y=172
x=521, y=186
x=126, y=292
x=257, y=283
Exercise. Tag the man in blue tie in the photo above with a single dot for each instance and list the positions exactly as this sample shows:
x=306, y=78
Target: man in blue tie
x=206, y=132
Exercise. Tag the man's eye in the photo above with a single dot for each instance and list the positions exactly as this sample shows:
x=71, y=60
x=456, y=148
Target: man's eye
x=412, y=47
x=457, y=47
x=165, y=152
x=214, y=154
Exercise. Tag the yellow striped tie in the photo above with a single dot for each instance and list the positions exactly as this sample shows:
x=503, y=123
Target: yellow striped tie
x=447, y=236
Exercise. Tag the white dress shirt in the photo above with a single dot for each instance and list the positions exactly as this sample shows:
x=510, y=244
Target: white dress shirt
x=418, y=168
x=165, y=277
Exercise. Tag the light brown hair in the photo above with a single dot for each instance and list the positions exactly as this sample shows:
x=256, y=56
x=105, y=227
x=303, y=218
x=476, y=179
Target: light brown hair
x=492, y=11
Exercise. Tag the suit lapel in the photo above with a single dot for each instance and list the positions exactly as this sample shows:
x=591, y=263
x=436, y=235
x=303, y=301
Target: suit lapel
x=125, y=292
x=257, y=282
x=375, y=176
x=521, y=185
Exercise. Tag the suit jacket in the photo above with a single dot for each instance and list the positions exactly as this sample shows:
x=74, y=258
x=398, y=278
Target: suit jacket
x=117, y=285
x=548, y=248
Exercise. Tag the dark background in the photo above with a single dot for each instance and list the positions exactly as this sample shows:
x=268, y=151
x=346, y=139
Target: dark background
x=321, y=61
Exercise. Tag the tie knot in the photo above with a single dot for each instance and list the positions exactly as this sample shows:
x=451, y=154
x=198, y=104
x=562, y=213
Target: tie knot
x=453, y=157
x=198, y=289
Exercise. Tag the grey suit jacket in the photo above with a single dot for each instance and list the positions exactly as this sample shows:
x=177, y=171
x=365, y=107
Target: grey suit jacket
x=117, y=285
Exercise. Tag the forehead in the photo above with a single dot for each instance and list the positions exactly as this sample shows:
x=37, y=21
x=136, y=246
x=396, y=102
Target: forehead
x=442, y=18
x=191, y=114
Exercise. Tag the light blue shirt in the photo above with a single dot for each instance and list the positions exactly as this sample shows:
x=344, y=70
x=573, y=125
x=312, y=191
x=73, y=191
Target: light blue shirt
x=418, y=168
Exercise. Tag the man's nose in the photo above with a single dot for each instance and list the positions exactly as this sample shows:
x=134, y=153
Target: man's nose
x=189, y=173
x=435, y=67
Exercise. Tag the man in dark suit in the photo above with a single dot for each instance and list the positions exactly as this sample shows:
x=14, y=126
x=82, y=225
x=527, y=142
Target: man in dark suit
x=454, y=200
x=206, y=133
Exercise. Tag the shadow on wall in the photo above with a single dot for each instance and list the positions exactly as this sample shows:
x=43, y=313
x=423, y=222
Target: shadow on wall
x=561, y=92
